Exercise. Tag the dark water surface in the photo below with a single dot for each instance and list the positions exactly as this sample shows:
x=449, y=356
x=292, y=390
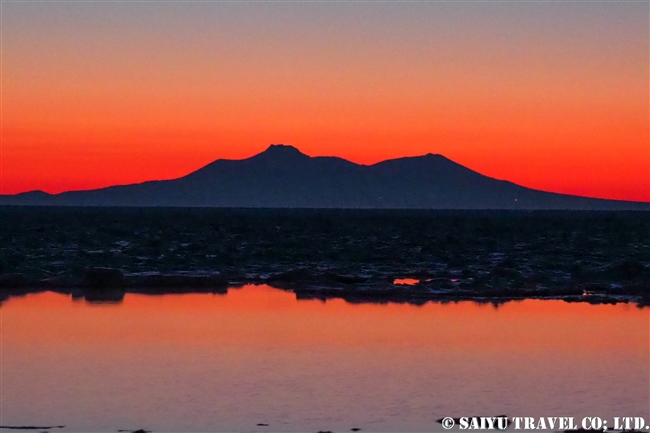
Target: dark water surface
x=208, y=363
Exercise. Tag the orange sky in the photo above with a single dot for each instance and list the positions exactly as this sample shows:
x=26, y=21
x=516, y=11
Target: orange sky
x=549, y=96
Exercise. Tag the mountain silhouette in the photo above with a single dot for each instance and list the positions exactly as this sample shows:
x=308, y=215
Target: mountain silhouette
x=284, y=177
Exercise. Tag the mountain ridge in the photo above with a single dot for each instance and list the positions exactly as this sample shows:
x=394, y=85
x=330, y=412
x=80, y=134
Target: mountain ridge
x=284, y=177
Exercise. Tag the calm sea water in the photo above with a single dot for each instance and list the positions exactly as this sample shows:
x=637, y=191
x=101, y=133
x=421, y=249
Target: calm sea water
x=212, y=363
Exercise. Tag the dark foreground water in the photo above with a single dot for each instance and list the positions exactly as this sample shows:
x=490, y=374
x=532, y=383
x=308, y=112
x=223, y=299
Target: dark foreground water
x=211, y=363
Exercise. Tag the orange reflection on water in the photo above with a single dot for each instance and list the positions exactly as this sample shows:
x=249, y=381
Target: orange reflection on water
x=258, y=354
x=261, y=315
x=406, y=281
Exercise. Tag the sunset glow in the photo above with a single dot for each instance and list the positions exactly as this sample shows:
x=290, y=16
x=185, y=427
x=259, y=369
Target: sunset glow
x=550, y=96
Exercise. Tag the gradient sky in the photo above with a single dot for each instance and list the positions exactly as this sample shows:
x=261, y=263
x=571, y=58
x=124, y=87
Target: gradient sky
x=550, y=95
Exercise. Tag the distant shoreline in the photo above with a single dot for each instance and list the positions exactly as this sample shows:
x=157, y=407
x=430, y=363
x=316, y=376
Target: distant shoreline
x=110, y=286
x=487, y=256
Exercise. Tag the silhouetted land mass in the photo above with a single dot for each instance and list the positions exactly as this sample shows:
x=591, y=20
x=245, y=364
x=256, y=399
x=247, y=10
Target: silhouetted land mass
x=488, y=256
x=283, y=177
